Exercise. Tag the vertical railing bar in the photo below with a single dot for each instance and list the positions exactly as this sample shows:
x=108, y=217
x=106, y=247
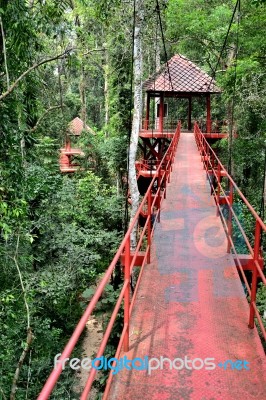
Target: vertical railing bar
x=127, y=293
x=254, y=275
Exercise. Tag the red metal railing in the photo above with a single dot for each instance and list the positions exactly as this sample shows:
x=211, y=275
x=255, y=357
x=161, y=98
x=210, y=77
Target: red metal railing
x=151, y=202
x=216, y=171
x=147, y=165
x=214, y=126
x=168, y=123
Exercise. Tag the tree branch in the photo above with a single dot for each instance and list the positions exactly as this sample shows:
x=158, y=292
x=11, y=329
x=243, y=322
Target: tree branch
x=3, y=394
x=20, y=363
x=43, y=116
x=29, y=331
x=92, y=51
x=34, y=66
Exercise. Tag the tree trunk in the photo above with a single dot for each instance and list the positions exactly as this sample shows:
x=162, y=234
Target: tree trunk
x=133, y=186
x=157, y=101
x=82, y=91
x=106, y=89
x=264, y=191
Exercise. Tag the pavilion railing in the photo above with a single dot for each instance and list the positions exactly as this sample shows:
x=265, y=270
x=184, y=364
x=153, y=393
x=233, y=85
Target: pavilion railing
x=214, y=126
x=169, y=123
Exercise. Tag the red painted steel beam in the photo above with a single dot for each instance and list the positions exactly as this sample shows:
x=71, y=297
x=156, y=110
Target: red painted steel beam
x=138, y=260
x=161, y=112
x=213, y=171
x=189, y=113
x=155, y=134
x=214, y=135
x=146, y=125
x=208, y=104
x=247, y=262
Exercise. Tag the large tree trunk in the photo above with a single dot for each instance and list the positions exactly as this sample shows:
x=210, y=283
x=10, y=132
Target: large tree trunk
x=106, y=89
x=82, y=92
x=133, y=186
x=157, y=68
x=231, y=167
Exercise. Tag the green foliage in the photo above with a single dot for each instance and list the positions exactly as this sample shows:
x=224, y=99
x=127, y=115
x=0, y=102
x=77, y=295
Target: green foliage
x=73, y=237
x=63, y=230
x=68, y=227
x=104, y=309
x=261, y=299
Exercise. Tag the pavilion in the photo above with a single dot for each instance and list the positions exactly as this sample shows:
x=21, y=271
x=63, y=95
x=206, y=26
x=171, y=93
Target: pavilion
x=179, y=78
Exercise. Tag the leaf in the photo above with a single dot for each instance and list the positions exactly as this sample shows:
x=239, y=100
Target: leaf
x=88, y=293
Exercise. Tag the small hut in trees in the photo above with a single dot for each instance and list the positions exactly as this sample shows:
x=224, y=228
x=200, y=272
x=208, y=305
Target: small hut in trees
x=68, y=153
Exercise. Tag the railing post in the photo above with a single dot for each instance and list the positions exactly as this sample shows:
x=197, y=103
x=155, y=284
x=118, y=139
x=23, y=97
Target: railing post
x=230, y=215
x=254, y=275
x=218, y=187
x=168, y=170
x=127, y=293
x=149, y=227
x=212, y=162
x=202, y=148
x=207, y=158
x=159, y=194
x=204, y=153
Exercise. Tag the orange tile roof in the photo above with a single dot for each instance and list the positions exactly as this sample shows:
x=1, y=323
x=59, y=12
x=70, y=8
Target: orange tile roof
x=186, y=77
x=76, y=126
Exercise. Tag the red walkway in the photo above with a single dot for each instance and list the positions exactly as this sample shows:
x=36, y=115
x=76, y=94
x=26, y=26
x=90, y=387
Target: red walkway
x=191, y=302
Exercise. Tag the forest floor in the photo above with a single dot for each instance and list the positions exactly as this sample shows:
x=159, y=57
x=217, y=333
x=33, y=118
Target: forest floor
x=91, y=343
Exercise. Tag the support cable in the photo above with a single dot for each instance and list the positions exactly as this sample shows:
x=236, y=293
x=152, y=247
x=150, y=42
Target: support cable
x=154, y=109
x=126, y=214
x=231, y=130
x=237, y=6
x=262, y=204
x=165, y=52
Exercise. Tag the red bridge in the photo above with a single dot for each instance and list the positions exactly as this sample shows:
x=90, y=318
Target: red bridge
x=191, y=318
x=189, y=303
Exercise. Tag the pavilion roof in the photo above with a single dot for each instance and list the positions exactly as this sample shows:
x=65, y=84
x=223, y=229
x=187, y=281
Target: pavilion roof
x=186, y=77
x=76, y=126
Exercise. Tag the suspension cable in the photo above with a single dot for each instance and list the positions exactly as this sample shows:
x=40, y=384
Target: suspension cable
x=154, y=109
x=237, y=6
x=262, y=203
x=165, y=52
x=231, y=129
x=130, y=117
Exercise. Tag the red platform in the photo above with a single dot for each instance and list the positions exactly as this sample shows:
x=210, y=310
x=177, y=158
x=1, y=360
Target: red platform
x=191, y=302
x=216, y=135
x=157, y=134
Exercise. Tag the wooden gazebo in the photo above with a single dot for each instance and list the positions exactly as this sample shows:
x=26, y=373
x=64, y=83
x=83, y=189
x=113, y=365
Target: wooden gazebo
x=179, y=78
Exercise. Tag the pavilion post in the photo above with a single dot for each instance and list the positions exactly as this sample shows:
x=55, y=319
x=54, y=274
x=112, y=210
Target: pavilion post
x=146, y=124
x=67, y=146
x=189, y=113
x=208, y=104
x=161, y=112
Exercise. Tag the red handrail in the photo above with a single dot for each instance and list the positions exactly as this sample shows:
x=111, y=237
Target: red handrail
x=215, y=126
x=153, y=123
x=152, y=202
x=214, y=167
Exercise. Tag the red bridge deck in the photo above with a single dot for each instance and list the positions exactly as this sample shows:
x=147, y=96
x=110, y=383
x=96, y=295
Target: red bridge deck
x=191, y=302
